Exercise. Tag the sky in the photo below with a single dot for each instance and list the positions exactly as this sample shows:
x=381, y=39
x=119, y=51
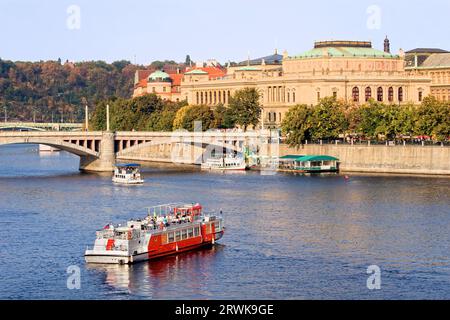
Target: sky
x=142, y=31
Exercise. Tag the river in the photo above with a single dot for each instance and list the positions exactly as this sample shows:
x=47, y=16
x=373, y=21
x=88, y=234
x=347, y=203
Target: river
x=287, y=237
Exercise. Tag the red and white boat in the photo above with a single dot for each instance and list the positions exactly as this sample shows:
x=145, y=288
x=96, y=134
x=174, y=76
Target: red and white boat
x=167, y=230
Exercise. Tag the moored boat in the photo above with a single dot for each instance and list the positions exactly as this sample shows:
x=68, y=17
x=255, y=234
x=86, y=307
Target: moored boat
x=225, y=163
x=166, y=230
x=308, y=164
x=127, y=174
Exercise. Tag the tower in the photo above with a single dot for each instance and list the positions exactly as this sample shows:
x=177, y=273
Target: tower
x=387, y=45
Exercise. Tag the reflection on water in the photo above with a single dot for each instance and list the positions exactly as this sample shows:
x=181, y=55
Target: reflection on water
x=287, y=236
x=148, y=278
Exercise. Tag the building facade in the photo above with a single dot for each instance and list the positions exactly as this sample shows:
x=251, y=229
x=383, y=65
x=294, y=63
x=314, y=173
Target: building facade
x=352, y=71
x=434, y=64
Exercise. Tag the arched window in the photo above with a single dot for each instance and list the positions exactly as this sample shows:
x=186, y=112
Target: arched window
x=420, y=95
x=380, y=94
x=293, y=96
x=355, y=94
x=400, y=94
x=391, y=94
x=368, y=93
x=198, y=100
x=274, y=117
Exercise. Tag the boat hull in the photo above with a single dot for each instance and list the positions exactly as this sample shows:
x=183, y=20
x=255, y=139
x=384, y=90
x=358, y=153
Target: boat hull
x=117, y=257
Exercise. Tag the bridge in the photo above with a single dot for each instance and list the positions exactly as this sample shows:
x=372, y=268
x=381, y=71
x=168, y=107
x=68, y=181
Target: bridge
x=36, y=126
x=99, y=151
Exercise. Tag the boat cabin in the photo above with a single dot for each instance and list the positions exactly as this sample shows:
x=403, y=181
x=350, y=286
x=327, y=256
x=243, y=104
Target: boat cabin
x=309, y=164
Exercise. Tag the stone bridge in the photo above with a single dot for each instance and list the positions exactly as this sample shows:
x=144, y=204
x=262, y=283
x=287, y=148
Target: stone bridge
x=37, y=126
x=98, y=151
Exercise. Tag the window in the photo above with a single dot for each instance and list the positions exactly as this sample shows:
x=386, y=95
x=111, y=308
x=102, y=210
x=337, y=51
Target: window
x=335, y=94
x=198, y=100
x=380, y=94
x=391, y=94
x=420, y=96
x=171, y=237
x=153, y=89
x=196, y=231
x=190, y=233
x=288, y=97
x=177, y=236
x=293, y=96
x=355, y=94
x=164, y=89
x=318, y=96
x=400, y=94
x=368, y=93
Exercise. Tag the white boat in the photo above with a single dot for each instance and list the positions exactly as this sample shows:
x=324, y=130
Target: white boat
x=225, y=163
x=128, y=173
x=45, y=148
x=166, y=230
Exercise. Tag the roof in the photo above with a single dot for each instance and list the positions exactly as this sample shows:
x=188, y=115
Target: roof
x=248, y=68
x=346, y=52
x=427, y=50
x=158, y=75
x=272, y=59
x=347, y=49
x=127, y=165
x=196, y=71
x=437, y=60
x=309, y=158
x=213, y=72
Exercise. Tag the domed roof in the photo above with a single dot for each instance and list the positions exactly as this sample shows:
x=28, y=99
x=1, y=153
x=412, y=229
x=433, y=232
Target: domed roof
x=347, y=49
x=159, y=75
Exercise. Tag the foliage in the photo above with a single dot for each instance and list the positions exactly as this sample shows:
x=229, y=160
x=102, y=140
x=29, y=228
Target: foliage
x=245, y=107
x=331, y=118
x=49, y=89
x=297, y=125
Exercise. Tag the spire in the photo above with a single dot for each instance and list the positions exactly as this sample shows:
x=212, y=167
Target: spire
x=387, y=45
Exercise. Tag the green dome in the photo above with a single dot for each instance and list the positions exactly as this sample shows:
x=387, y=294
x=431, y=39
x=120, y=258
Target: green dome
x=159, y=76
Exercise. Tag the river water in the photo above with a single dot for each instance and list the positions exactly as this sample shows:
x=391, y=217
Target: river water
x=288, y=237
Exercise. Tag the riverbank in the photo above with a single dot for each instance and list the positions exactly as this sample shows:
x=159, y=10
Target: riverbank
x=417, y=160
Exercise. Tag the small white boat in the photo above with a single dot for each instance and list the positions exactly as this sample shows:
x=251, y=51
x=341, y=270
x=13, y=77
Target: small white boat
x=127, y=174
x=45, y=148
x=225, y=163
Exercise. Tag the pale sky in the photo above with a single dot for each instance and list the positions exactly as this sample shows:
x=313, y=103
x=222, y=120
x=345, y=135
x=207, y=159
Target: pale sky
x=150, y=30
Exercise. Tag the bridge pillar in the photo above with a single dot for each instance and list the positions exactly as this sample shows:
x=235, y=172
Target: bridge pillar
x=107, y=158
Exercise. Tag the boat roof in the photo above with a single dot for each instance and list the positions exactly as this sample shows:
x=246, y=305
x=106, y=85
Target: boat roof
x=309, y=158
x=127, y=165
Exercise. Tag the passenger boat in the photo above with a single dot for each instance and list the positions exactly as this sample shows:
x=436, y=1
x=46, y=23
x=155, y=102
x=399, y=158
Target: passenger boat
x=308, y=164
x=127, y=174
x=167, y=230
x=225, y=163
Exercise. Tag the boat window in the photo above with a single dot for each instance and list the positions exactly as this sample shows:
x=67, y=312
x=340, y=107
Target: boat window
x=177, y=236
x=196, y=231
x=184, y=234
x=171, y=237
x=190, y=233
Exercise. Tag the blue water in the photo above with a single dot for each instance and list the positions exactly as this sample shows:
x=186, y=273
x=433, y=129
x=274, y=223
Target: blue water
x=288, y=237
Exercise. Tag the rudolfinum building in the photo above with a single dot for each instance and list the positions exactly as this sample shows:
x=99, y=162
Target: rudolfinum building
x=349, y=70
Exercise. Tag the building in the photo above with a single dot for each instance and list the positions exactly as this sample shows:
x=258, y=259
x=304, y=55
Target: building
x=349, y=70
x=434, y=64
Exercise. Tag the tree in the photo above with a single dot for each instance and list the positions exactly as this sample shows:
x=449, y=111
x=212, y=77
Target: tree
x=433, y=119
x=223, y=118
x=201, y=113
x=245, y=107
x=328, y=119
x=296, y=125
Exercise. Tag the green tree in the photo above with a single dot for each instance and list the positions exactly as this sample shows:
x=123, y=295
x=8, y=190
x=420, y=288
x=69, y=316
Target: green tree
x=245, y=107
x=328, y=119
x=433, y=119
x=201, y=113
x=296, y=125
x=223, y=118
